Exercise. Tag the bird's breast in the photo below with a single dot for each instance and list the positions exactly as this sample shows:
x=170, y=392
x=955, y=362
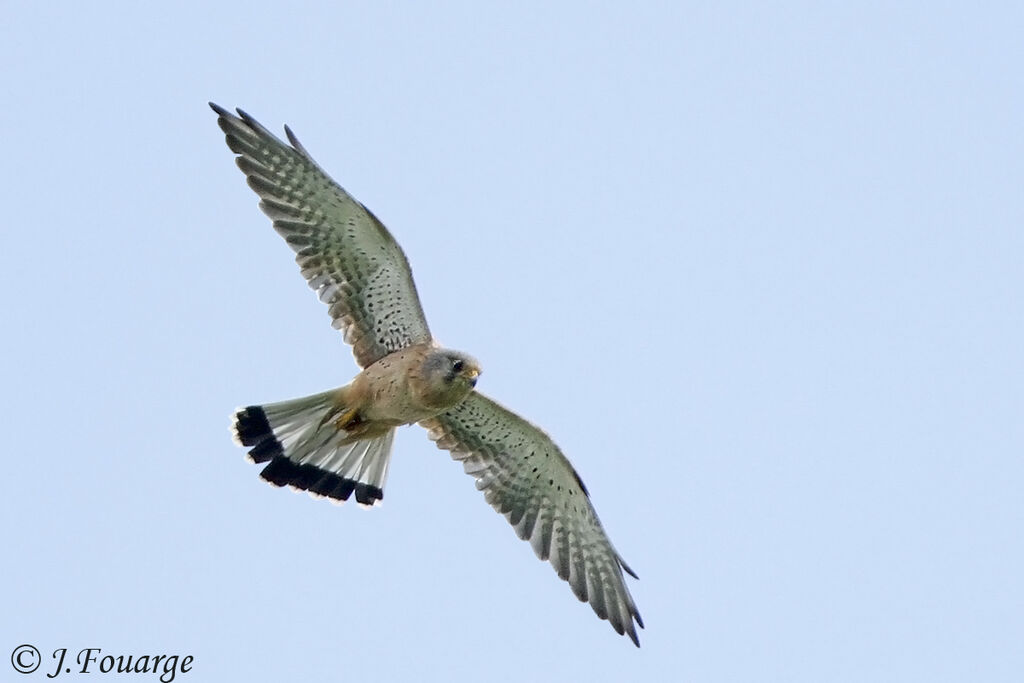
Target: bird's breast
x=393, y=390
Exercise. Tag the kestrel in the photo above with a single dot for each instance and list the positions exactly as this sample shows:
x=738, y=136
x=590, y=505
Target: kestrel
x=338, y=443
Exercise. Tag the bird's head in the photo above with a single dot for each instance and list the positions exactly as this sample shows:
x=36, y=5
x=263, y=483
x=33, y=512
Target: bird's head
x=450, y=376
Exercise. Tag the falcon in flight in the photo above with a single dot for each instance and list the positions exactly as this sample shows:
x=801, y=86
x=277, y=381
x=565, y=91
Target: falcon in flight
x=338, y=443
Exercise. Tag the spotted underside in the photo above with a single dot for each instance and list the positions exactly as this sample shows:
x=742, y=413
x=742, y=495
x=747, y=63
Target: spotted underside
x=346, y=254
x=525, y=477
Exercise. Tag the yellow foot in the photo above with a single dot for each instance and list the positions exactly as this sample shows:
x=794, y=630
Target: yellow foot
x=347, y=419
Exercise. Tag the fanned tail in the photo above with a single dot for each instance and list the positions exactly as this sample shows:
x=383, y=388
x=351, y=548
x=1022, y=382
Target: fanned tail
x=305, y=449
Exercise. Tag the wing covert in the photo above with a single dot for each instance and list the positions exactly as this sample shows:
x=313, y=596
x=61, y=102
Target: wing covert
x=525, y=477
x=345, y=253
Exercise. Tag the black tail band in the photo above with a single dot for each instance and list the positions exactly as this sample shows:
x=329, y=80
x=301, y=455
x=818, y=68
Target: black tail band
x=281, y=471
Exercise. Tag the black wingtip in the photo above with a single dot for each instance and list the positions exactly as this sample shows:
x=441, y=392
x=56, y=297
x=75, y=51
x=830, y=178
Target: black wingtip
x=221, y=111
x=626, y=568
x=579, y=481
x=291, y=136
x=295, y=142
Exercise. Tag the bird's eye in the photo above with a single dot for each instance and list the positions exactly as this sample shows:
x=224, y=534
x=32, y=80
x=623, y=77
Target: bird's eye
x=458, y=365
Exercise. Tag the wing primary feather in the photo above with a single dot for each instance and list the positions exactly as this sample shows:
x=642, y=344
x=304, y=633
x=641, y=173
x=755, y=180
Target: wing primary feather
x=296, y=144
x=258, y=127
x=221, y=111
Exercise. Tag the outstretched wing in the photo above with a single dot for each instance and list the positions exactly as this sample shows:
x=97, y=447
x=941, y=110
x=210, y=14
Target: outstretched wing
x=345, y=253
x=525, y=477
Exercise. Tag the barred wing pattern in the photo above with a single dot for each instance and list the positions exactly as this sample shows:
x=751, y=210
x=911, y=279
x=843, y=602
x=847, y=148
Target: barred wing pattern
x=346, y=254
x=525, y=477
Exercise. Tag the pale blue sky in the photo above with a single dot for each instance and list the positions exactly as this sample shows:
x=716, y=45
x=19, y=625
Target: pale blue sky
x=758, y=272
